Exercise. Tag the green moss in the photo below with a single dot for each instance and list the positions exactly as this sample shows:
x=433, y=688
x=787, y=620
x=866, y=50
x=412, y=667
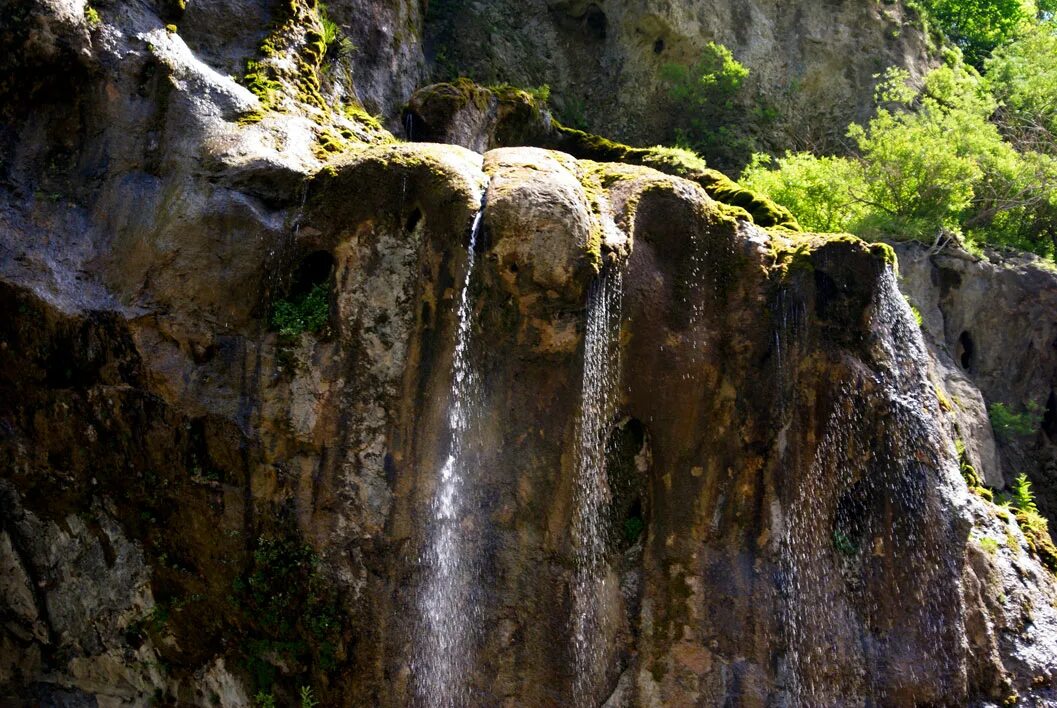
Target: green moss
x=91, y=15
x=302, y=38
x=680, y=163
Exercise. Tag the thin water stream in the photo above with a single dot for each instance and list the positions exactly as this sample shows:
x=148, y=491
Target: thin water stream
x=449, y=615
x=591, y=496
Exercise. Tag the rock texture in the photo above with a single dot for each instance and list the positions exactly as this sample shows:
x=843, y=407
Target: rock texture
x=814, y=62
x=202, y=499
x=991, y=324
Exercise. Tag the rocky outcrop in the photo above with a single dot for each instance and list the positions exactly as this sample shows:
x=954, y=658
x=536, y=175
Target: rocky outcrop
x=813, y=62
x=990, y=322
x=479, y=118
x=225, y=365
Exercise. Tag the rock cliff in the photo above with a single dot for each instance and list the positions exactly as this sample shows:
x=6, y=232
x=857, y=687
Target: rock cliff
x=230, y=313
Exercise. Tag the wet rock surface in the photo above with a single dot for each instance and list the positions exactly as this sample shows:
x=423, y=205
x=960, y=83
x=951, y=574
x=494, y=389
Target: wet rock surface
x=225, y=365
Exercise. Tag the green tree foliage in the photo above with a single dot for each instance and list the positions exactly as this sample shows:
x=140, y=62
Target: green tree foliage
x=1008, y=424
x=710, y=121
x=822, y=191
x=957, y=154
x=979, y=26
x=1023, y=77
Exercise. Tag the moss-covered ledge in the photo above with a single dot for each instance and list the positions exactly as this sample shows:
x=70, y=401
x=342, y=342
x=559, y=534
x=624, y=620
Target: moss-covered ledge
x=514, y=117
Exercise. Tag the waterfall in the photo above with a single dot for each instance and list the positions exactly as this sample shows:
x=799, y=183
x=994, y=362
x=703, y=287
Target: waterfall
x=448, y=613
x=591, y=494
x=867, y=544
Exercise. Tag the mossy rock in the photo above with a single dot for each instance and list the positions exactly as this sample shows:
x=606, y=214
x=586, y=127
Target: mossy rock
x=521, y=119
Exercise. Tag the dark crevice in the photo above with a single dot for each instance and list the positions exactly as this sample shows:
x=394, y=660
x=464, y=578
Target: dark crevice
x=314, y=270
x=412, y=219
x=595, y=22
x=1049, y=418
x=965, y=350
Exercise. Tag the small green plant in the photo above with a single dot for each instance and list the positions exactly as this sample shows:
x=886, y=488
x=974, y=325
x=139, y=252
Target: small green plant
x=264, y=700
x=307, y=699
x=171, y=29
x=1036, y=530
x=1009, y=425
x=843, y=544
x=633, y=526
x=92, y=16
x=307, y=313
x=1022, y=497
x=989, y=545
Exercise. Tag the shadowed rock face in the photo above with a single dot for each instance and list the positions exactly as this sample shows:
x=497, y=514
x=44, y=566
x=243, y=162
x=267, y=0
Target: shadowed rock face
x=195, y=505
x=603, y=61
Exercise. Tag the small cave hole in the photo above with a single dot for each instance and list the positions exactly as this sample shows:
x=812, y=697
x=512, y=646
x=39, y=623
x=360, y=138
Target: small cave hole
x=512, y=268
x=314, y=270
x=634, y=524
x=595, y=21
x=1049, y=418
x=964, y=351
x=627, y=462
x=658, y=45
x=412, y=219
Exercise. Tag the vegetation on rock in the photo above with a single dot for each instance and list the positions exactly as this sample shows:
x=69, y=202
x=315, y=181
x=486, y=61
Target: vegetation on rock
x=960, y=156
x=305, y=313
x=1009, y=424
x=709, y=119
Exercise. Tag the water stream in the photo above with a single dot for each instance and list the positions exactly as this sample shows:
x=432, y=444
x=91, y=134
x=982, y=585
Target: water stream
x=865, y=555
x=591, y=495
x=449, y=613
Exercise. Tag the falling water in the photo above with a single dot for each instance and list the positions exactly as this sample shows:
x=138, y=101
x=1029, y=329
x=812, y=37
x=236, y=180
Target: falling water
x=866, y=508
x=591, y=494
x=449, y=614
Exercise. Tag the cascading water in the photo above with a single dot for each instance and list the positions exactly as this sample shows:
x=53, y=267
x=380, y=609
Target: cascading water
x=448, y=612
x=591, y=495
x=865, y=521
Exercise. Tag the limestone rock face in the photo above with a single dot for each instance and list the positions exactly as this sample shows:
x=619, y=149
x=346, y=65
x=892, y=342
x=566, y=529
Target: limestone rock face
x=603, y=60
x=225, y=373
x=992, y=323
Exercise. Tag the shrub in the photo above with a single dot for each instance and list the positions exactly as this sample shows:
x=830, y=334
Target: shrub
x=821, y=191
x=290, y=609
x=936, y=161
x=704, y=93
x=1009, y=425
x=308, y=313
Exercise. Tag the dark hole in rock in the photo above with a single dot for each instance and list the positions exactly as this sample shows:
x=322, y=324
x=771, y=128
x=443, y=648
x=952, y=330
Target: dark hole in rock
x=633, y=522
x=1049, y=418
x=412, y=219
x=595, y=21
x=512, y=267
x=312, y=271
x=627, y=457
x=658, y=45
x=964, y=350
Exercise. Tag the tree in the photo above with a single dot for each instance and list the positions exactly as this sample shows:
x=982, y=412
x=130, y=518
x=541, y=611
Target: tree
x=709, y=119
x=979, y=26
